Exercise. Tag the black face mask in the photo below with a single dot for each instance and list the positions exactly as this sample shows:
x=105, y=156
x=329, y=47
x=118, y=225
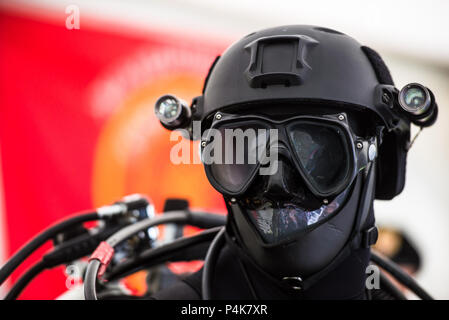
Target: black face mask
x=280, y=206
x=301, y=248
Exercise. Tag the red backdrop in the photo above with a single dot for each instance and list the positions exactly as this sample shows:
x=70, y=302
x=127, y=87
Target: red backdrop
x=77, y=128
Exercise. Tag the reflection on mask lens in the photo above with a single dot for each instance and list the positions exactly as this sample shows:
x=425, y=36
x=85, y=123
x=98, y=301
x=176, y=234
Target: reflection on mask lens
x=322, y=152
x=279, y=221
x=239, y=148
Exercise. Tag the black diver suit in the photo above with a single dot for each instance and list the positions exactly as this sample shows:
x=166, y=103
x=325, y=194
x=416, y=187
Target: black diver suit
x=237, y=277
x=346, y=282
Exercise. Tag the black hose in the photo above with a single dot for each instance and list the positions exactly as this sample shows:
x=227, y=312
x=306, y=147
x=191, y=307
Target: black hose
x=122, y=235
x=205, y=220
x=85, y=245
x=400, y=275
x=129, y=231
x=39, y=240
x=90, y=281
x=389, y=287
x=154, y=256
x=209, y=264
x=68, y=251
x=25, y=279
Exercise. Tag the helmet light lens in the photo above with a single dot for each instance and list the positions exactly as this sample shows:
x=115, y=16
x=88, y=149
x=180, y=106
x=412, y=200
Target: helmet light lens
x=414, y=98
x=168, y=109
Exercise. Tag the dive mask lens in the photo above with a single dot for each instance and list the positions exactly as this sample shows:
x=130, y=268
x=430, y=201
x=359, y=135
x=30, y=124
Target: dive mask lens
x=233, y=154
x=322, y=152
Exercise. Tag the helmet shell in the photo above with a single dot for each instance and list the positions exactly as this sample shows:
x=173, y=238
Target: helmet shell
x=298, y=62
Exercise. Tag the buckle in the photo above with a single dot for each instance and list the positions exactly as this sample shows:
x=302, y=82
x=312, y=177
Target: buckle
x=369, y=237
x=293, y=282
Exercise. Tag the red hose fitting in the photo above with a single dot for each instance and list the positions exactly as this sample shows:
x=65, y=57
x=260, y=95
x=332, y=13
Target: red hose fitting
x=103, y=253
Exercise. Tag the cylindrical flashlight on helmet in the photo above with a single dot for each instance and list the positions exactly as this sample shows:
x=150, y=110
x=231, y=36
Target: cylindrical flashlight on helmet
x=418, y=103
x=172, y=112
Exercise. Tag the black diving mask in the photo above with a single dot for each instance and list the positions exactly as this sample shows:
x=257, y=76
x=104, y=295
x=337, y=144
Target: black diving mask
x=324, y=151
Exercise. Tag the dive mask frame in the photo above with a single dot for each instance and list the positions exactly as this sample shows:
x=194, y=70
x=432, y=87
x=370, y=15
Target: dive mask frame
x=360, y=151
